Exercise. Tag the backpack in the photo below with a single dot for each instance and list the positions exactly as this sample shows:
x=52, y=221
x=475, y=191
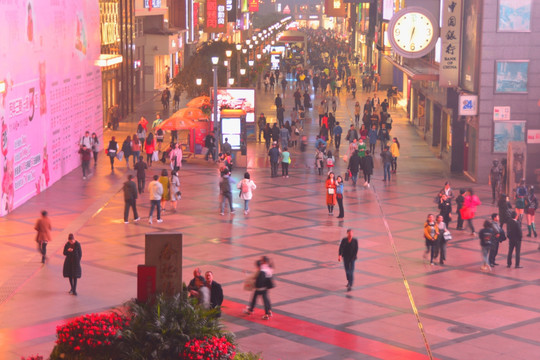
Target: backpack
x=225, y=185
x=245, y=186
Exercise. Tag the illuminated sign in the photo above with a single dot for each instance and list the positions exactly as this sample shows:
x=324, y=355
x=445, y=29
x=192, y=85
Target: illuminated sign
x=253, y=5
x=450, y=43
x=216, y=16
x=238, y=99
x=335, y=8
x=152, y=4
x=109, y=23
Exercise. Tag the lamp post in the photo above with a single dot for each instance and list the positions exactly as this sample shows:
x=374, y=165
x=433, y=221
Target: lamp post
x=228, y=54
x=198, y=81
x=215, y=61
x=248, y=43
x=231, y=82
x=242, y=73
x=250, y=50
x=250, y=63
x=238, y=49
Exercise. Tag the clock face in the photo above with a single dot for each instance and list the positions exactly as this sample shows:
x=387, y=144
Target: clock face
x=412, y=32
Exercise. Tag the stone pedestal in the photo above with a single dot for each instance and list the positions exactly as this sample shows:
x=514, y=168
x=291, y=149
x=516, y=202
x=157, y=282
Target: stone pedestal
x=164, y=251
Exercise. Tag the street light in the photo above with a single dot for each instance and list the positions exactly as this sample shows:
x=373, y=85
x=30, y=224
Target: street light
x=251, y=62
x=238, y=61
x=228, y=53
x=258, y=56
x=215, y=61
x=231, y=81
x=242, y=72
x=248, y=41
x=198, y=81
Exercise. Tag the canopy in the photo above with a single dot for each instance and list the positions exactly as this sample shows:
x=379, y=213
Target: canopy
x=183, y=119
x=198, y=102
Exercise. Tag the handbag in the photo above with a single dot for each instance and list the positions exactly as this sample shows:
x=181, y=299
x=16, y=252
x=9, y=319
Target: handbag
x=155, y=155
x=120, y=155
x=331, y=191
x=347, y=175
x=447, y=235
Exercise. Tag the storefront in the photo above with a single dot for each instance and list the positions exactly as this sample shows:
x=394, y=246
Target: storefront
x=163, y=58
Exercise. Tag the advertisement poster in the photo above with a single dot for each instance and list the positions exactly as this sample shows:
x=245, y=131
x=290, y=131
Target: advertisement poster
x=511, y=76
x=505, y=132
x=50, y=92
x=238, y=99
x=514, y=15
x=470, y=45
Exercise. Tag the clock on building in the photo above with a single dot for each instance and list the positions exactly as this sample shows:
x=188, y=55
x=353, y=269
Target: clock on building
x=413, y=32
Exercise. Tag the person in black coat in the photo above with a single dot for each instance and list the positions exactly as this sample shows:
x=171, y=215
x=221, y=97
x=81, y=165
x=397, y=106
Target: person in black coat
x=348, y=250
x=130, y=199
x=505, y=210
x=216, y=292
x=354, y=166
x=366, y=163
x=514, y=234
x=72, y=262
x=275, y=132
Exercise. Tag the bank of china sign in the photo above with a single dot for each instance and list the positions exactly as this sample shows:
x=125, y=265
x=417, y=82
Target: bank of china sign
x=450, y=43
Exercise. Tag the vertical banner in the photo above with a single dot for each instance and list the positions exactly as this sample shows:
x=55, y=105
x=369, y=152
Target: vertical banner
x=231, y=10
x=50, y=92
x=450, y=43
x=216, y=16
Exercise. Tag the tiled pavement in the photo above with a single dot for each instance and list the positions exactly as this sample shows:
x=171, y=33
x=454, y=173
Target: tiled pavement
x=463, y=313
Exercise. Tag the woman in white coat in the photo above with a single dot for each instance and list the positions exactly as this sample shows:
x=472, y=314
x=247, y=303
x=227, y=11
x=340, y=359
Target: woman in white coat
x=246, y=187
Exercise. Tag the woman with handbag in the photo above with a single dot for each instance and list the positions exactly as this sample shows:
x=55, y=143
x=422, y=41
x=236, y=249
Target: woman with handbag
x=444, y=236
x=486, y=237
x=339, y=196
x=246, y=187
x=165, y=182
x=175, y=189
x=431, y=234
x=330, y=187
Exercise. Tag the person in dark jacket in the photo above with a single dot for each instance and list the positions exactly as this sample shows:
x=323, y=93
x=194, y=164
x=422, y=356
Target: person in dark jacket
x=459, y=204
x=486, y=239
x=367, y=167
x=112, y=149
x=280, y=115
x=274, y=159
x=387, y=162
x=354, y=166
x=126, y=149
x=348, y=250
x=505, y=210
x=86, y=156
x=275, y=132
x=513, y=229
x=130, y=199
x=141, y=167
x=445, y=207
x=498, y=237
x=216, y=292
x=72, y=262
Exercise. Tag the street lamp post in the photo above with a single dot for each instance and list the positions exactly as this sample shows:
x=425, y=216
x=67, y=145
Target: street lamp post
x=250, y=63
x=242, y=73
x=228, y=53
x=238, y=65
x=215, y=61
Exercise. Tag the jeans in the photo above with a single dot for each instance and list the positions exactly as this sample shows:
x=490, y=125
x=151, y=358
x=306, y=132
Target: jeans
x=264, y=294
x=459, y=220
x=274, y=168
x=511, y=246
x=226, y=196
x=470, y=224
x=485, y=254
x=43, y=250
x=349, y=271
x=95, y=157
x=394, y=163
x=354, y=177
x=387, y=171
x=136, y=155
x=131, y=204
x=372, y=147
x=149, y=159
x=442, y=250
x=493, y=251
x=246, y=205
x=85, y=167
x=111, y=158
x=140, y=184
x=284, y=169
x=434, y=249
x=153, y=204
x=337, y=140
x=340, y=204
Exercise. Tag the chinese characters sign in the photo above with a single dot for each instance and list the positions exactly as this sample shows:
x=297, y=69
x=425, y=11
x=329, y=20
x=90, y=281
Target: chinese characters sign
x=253, y=5
x=335, y=8
x=450, y=43
x=216, y=16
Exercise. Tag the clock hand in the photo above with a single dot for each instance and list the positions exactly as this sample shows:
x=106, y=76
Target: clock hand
x=412, y=33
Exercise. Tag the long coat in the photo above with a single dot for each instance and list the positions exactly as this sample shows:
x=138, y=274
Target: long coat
x=330, y=198
x=43, y=228
x=72, y=263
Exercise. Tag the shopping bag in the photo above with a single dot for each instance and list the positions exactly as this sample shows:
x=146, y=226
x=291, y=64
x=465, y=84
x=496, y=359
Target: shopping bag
x=120, y=155
x=155, y=155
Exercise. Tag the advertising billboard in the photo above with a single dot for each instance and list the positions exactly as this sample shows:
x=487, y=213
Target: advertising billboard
x=50, y=92
x=234, y=98
x=216, y=16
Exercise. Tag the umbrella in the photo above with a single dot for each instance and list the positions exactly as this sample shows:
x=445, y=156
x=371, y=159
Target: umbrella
x=183, y=119
x=198, y=102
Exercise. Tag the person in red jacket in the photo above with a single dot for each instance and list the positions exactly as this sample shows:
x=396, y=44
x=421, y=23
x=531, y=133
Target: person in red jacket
x=150, y=145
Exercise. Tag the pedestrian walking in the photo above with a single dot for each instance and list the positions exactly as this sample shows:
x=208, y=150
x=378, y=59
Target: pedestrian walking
x=175, y=190
x=431, y=235
x=337, y=135
x=155, y=190
x=95, y=147
x=339, y=196
x=166, y=185
x=149, y=148
x=486, y=238
x=225, y=192
x=357, y=114
x=521, y=196
x=319, y=161
x=261, y=122
x=285, y=161
x=330, y=186
x=372, y=136
x=468, y=210
x=445, y=207
x=175, y=157
x=135, y=149
x=210, y=144
x=112, y=151
x=43, y=236
x=531, y=204
x=130, y=199
x=72, y=262
x=460, y=200
x=273, y=153
x=367, y=166
x=261, y=281
x=514, y=239
x=267, y=134
x=86, y=156
x=348, y=251
x=141, y=132
x=394, y=150
x=246, y=187
x=354, y=167
x=140, y=167
x=126, y=149
x=383, y=136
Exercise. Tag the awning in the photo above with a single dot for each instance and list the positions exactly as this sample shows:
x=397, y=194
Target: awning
x=416, y=69
x=105, y=60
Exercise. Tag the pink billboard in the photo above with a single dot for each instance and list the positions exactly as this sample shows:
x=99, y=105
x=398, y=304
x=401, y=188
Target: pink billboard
x=50, y=92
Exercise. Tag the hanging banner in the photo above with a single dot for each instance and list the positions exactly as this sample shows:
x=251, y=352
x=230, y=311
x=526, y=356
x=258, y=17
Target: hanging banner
x=335, y=8
x=216, y=16
x=450, y=43
x=253, y=5
x=231, y=10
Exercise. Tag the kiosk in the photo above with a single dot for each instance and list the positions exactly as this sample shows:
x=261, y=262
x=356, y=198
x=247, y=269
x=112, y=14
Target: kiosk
x=233, y=127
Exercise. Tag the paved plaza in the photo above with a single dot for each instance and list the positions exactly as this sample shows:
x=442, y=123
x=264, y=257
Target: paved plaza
x=400, y=306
